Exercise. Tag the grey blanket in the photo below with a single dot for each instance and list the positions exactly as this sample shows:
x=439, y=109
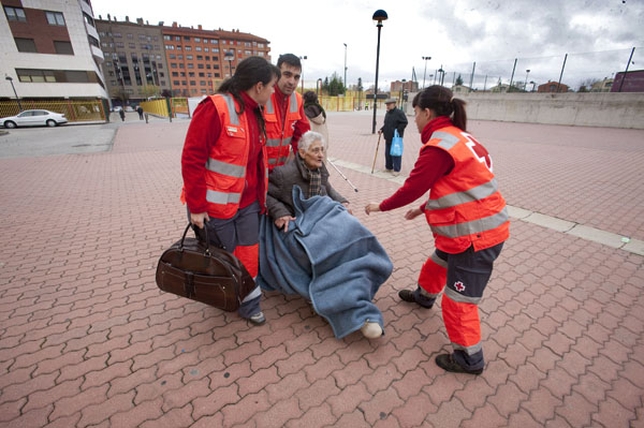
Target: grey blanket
x=328, y=257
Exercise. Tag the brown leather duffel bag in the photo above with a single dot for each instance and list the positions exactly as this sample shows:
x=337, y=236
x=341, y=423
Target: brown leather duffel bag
x=211, y=275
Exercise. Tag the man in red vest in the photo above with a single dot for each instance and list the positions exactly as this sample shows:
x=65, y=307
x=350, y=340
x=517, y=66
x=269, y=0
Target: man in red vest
x=284, y=113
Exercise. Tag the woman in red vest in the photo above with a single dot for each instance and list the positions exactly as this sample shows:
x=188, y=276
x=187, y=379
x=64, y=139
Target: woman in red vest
x=467, y=216
x=224, y=167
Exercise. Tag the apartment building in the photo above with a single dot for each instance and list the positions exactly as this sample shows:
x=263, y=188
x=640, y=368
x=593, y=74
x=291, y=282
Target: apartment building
x=200, y=60
x=134, y=68
x=179, y=61
x=49, y=49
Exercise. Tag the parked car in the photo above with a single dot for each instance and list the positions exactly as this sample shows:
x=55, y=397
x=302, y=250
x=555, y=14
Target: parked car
x=34, y=118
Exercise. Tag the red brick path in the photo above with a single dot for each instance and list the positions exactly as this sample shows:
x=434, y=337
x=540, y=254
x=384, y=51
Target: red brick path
x=87, y=339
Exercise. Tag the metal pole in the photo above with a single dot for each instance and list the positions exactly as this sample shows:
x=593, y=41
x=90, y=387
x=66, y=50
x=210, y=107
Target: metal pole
x=563, y=66
x=620, y=83
x=10, y=79
x=512, y=77
x=345, y=66
x=426, y=58
x=375, y=91
x=472, y=76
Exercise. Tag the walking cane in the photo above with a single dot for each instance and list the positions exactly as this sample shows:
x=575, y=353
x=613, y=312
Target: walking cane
x=343, y=176
x=376, y=155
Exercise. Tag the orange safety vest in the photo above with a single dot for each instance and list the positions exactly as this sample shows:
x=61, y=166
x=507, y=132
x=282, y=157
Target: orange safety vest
x=227, y=160
x=279, y=135
x=465, y=207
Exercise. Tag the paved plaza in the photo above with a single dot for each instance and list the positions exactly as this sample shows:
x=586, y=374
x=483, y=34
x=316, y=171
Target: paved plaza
x=88, y=340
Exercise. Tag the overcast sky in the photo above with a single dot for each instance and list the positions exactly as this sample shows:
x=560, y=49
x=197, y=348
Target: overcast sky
x=461, y=36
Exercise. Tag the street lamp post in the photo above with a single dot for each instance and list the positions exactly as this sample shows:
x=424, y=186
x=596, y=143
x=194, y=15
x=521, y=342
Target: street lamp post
x=402, y=89
x=229, y=57
x=302, y=73
x=345, y=66
x=318, y=85
x=426, y=58
x=10, y=79
x=525, y=84
x=380, y=15
x=442, y=78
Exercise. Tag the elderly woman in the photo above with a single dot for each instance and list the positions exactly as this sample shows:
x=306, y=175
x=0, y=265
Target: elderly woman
x=311, y=245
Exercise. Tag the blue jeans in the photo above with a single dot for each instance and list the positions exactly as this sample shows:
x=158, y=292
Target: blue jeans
x=392, y=162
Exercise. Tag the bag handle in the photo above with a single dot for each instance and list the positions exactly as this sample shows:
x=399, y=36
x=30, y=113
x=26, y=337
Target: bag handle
x=185, y=232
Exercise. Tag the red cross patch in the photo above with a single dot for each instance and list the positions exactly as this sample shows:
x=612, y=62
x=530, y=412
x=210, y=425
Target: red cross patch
x=459, y=286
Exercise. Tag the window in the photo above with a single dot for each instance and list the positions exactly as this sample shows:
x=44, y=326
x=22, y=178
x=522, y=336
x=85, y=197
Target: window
x=55, y=18
x=25, y=45
x=63, y=48
x=89, y=20
x=30, y=75
x=15, y=14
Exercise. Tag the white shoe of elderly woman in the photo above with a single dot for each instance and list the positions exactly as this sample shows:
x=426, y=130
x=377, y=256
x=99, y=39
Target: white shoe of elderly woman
x=371, y=330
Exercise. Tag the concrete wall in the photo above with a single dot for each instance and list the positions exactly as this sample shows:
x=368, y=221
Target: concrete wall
x=612, y=110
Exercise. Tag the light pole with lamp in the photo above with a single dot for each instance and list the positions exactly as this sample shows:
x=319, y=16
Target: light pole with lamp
x=318, y=85
x=525, y=84
x=345, y=66
x=379, y=15
x=442, y=72
x=10, y=79
x=426, y=58
x=402, y=89
x=228, y=56
x=302, y=73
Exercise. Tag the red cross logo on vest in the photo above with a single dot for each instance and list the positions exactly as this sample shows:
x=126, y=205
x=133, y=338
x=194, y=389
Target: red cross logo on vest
x=459, y=286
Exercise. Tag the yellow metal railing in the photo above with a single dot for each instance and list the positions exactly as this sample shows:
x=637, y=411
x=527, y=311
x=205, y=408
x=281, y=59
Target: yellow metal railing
x=75, y=111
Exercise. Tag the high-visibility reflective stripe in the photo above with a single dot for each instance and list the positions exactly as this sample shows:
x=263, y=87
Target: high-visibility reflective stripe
x=234, y=117
x=222, y=198
x=293, y=103
x=472, y=227
x=270, y=109
x=275, y=161
x=457, y=297
x=469, y=350
x=447, y=140
x=475, y=194
x=229, y=169
x=278, y=142
x=440, y=262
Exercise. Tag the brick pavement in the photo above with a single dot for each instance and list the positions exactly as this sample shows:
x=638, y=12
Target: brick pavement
x=87, y=339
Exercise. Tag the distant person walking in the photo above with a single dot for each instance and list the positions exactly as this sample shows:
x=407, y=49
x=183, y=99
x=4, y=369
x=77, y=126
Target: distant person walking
x=467, y=216
x=395, y=119
x=139, y=110
x=122, y=114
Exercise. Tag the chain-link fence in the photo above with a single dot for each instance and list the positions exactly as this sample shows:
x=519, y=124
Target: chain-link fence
x=578, y=71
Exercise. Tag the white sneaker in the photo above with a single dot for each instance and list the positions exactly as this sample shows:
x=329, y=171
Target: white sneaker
x=371, y=330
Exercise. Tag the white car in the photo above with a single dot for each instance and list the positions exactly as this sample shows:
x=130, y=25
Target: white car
x=34, y=118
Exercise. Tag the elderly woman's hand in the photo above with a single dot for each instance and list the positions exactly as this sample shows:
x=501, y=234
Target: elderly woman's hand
x=282, y=222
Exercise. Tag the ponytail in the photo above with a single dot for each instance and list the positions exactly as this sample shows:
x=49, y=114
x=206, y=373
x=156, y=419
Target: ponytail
x=441, y=101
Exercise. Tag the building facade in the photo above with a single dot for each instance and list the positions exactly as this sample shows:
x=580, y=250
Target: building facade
x=134, y=68
x=176, y=61
x=199, y=60
x=50, y=49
